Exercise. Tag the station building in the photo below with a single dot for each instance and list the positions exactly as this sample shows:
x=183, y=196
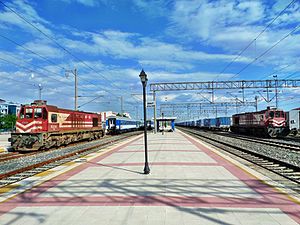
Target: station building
x=9, y=108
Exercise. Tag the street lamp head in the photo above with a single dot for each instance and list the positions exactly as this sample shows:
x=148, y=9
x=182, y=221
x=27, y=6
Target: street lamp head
x=143, y=77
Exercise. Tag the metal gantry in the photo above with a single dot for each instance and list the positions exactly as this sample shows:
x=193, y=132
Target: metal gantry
x=217, y=107
x=207, y=104
x=213, y=86
x=219, y=85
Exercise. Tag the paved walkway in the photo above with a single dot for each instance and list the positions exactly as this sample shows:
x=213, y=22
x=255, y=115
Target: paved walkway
x=189, y=184
x=4, y=144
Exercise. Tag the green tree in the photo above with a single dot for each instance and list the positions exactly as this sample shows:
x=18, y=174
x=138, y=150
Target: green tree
x=8, y=122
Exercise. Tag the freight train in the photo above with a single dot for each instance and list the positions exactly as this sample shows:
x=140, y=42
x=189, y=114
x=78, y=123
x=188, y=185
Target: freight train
x=267, y=123
x=220, y=123
x=41, y=126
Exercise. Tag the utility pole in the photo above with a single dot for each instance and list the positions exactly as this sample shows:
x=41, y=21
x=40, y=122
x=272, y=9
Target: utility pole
x=276, y=93
x=243, y=91
x=212, y=93
x=256, y=103
x=137, y=112
x=74, y=72
x=76, y=95
x=40, y=91
x=122, y=111
x=154, y=112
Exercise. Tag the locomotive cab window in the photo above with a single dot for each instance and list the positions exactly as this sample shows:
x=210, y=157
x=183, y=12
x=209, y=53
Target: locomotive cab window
x=28, y=113
x=271, y=114
x=95, y=122
x=37, y=113
x=45, y=114
x=22, y=113
x=54, y=118
x=277, y=114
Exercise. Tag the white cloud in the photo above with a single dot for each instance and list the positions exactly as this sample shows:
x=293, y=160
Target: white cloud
x=231, y=25
x=123, y=45
x=24, y=9
x=88, y=3
x=43, y=48
x=153, y=8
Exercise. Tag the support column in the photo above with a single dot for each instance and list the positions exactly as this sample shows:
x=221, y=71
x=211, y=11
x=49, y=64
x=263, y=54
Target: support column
x=76, y=96
x=154, y=112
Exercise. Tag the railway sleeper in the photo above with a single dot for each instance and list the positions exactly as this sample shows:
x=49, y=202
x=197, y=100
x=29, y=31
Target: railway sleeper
x=273, y=165
x=288, y=171
x=295, y=177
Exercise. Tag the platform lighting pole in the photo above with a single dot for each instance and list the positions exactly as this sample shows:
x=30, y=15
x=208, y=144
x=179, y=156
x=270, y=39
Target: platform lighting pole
x=144, y=80
x=40, y=91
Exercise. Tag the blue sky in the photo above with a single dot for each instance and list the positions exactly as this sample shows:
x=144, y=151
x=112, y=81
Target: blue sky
x=182, y=40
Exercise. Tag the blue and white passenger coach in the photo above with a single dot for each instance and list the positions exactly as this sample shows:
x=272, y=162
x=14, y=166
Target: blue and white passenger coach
x=118, y=124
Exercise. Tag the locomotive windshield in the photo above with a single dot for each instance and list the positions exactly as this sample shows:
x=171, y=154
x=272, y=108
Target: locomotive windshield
x=29, y=113
x=276, y=114
x=38, y=113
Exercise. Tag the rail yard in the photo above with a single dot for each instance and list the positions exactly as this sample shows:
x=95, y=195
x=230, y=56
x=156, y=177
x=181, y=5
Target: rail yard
x=149, y=112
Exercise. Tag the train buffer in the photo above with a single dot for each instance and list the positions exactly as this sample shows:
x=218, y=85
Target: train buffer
x=189, y=183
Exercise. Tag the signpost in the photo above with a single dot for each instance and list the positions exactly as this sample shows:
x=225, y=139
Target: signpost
x=150, y=104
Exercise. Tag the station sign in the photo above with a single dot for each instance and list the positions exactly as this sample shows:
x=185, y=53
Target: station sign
x=150, y=104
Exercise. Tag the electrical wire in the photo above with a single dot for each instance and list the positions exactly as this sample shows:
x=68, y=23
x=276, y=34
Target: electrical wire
x=265, y=52
x=254, y=40
x=60, y=46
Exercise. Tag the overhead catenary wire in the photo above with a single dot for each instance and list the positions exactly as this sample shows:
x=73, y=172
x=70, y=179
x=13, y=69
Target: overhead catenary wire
x=265, y=52
x=62, y=47
x=26, y=69
x=29, y=50
x=255, y=39
x=30, y=70
x=40, y=56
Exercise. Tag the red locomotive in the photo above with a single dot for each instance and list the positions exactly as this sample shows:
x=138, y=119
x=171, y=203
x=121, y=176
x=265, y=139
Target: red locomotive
x=41, y=126
x=268, y=123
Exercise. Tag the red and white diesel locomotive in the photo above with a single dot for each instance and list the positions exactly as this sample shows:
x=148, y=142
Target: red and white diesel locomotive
x=268, y=123
x=41, y=126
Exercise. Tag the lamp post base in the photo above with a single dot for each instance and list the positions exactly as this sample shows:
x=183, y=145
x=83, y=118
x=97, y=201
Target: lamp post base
x=146, y=169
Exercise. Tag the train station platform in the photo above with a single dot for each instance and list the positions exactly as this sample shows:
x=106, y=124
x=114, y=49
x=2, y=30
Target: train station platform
x=4, y=144
x=190, y=183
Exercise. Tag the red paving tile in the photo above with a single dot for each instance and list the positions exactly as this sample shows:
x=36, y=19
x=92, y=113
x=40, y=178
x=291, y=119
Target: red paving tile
x=270, y=197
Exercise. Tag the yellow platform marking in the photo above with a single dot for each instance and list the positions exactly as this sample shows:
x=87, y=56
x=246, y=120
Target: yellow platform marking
x=69, y=163
x=45, y=173
x=8, y=188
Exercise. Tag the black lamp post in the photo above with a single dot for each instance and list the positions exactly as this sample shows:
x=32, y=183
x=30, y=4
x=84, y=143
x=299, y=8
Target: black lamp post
x=144, y=80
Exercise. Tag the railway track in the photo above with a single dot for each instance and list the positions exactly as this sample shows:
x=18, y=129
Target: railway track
x=9, y=176
x=271, y=142
x=284, y=169
x=15, y=155
x=9, y=156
